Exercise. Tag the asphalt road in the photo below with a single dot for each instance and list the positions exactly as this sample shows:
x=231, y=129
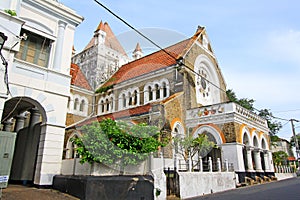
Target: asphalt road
x=280, y=190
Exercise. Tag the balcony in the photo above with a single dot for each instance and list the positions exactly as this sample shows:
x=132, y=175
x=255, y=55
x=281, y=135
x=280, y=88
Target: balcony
x=224, y=113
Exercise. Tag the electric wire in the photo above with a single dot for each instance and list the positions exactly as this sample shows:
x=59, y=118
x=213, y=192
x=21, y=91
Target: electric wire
x=284, y=111
x=152, y=42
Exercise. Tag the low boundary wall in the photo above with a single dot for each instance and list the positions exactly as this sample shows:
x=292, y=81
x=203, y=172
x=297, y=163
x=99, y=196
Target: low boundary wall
x=282, y=176
x=106, y=187
x=194, y=184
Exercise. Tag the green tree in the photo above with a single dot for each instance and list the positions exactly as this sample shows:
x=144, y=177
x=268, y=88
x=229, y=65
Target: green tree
x=110, y=142
x=188, y=146
x=279, y=157
x=244, y=102
x=273, y=125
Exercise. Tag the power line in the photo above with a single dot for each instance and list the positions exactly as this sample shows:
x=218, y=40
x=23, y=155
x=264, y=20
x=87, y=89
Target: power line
x=284, y=111
x=162, y=49
x=155, y=44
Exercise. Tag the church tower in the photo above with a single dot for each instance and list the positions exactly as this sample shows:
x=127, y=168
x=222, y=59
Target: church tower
x=102, y=56
x=137, y=53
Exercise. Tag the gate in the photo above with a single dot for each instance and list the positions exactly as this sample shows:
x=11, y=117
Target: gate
x=172, y=182
x=7, y=145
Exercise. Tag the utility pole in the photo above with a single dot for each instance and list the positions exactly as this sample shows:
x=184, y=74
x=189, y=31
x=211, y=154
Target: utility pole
x=295, y=140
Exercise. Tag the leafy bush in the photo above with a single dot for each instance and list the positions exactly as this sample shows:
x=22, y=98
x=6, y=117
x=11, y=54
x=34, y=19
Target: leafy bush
x=112, y=142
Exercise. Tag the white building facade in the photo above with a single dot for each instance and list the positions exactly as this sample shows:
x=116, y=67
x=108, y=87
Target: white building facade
x=33, y=100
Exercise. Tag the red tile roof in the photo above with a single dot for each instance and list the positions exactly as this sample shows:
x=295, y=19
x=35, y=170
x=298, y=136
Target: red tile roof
x=155, y=61
x=140, y=110
x=291, y=158
x=78, y=79
x=110, y=40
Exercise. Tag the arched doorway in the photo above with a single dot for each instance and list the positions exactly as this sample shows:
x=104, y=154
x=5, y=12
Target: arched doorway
x=215, y=153
x=178, y=152
x=24, y=116
x=246, y=143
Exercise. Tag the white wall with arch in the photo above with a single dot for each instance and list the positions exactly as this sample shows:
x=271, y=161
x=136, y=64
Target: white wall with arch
x=78, y=105
x=156, y=90
x=207, y=81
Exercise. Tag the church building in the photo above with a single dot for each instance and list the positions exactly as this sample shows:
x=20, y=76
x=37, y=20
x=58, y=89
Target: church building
x=181, y=90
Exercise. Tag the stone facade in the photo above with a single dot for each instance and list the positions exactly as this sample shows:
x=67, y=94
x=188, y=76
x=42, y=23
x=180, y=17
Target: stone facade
x=186, y=96
x=101, y=57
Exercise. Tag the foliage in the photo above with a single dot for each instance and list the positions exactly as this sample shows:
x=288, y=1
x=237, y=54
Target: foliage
x=11, y=12
x=244, y=102
x=293, y=140
x=104, y=89
x=279, y=157
x=189, y=146
x=112, y=142
x=273, y=125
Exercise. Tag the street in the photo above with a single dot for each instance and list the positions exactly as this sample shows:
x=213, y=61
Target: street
x=286, y=189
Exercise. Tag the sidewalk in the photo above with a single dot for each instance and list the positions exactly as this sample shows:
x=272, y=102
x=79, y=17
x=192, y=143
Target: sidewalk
x=19, y=192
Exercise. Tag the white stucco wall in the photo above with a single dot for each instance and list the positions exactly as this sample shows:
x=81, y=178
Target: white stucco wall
x=282, y=176
x=194, y=184
x=233, y=152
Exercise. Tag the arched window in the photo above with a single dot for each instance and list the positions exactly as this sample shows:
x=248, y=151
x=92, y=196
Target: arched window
x=124, y=100
x=157, y=91
x=111, y=103
x=164, y=89
x=107, y=105
x=71, y=151
x=76, y=104
x=81, y=106
x=135, y=97
x=255, y=141
x=102, y=106
x=130, y=99
x=150, y=93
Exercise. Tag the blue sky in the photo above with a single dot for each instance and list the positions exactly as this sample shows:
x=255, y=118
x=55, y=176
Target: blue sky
x=256, y=42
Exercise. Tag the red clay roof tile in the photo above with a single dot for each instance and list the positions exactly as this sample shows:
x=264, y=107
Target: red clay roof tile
x=144, y=109
x=78, y=79
x=155, y=61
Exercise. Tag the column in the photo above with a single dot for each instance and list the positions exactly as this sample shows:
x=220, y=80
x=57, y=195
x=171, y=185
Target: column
x=190, y=162
x=210, y=164
x=200, y=164
x=270, y=160
x=162, y=160
x=34, y=117
x=175, y=157
x=266, y=160
x=249, y=158
x=32, y=142
x=59, y=45
x=226, y=165
x=7, y=125
x=257, y=160
x=20, y=121
x=219, y=165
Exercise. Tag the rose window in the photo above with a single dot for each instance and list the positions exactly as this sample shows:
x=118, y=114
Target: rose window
x=203, y=84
